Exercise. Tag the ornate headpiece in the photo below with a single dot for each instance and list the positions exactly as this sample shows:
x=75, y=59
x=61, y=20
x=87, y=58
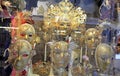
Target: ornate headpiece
x=64, y=15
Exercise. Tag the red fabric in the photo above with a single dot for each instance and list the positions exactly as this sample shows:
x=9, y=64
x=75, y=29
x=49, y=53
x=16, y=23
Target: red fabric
x=24, y=73
x=119, y=40
x=30, y=21
x=18, y=20
x=13, y=72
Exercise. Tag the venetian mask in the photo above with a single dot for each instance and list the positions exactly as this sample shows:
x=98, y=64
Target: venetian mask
x=27, y=32
x=61, y=16
x=103, y=55
x=60, y=54
x=92, y=37
x=78, y=36
x=22, y=50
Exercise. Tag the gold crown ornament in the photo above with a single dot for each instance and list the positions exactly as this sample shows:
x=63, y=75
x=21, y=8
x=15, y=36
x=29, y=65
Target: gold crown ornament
x=64, y=15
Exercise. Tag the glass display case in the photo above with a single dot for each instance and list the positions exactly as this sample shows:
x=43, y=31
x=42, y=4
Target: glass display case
x=60, y=37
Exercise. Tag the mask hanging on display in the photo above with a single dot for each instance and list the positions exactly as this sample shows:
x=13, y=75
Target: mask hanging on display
x=60, y=56
x=92, y=36
x=103, y=56
x=19, y=19
x=60, y=16
x=22, y=50
x=27, y=32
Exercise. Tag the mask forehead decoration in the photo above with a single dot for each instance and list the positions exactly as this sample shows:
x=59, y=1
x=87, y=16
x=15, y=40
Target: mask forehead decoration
x=23, y=50
x=26, y=31
x=60, y=54
x=61, y=45
x=103, y=55
x=92, y=37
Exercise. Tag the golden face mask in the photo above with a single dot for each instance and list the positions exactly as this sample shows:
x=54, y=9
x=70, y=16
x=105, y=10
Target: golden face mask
x=78, y=36
x=26, y=31
x=103, y=56
x=61, y=16
x=23, y=50
x=92, y=37
x=60, y=54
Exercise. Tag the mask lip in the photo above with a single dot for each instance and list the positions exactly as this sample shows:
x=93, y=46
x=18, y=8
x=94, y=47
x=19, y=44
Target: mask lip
x=25, y=55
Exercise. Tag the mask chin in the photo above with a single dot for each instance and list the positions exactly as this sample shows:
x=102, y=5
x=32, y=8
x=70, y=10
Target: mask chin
x=18, y=66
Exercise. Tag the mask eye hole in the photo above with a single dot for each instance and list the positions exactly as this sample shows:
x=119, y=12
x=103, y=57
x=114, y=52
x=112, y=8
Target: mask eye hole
x=22, y=34
x=30, y=35
x=25, y=55
x=89, y=38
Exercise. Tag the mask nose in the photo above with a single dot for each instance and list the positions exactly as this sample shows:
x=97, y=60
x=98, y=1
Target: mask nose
x=26, y=37
x=18, y=59
x=62, y=55
x=92, y=40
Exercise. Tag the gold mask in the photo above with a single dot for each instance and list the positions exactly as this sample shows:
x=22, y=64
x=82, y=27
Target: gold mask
x=60, y=54
x=61, y=16
x=26, y=31
x=92, y=37
x=103, y=56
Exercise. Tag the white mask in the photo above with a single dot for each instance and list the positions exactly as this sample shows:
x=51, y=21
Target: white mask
x=23, y=50
x=27, y=32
